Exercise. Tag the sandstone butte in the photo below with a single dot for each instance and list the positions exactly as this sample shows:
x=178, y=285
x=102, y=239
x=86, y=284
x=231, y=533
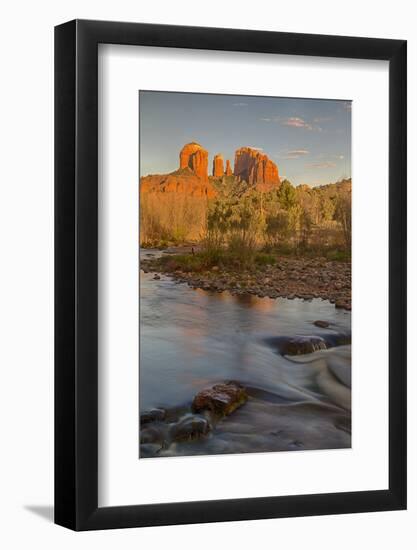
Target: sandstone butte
x=193, y=156
x=256, y=168
x=190, y=179
x=192, y=176
x=218, y=166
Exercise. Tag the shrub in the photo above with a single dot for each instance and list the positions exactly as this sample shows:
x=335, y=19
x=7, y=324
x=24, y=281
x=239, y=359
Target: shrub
x=265, y=259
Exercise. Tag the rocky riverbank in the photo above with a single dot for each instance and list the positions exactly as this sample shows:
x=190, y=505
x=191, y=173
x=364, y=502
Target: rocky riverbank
x=288, y=277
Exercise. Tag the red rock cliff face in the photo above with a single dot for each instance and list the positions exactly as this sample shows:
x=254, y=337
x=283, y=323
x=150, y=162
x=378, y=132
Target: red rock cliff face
x=193, y=156
x=182, y=182
x=228, y=168
x=256, y=168
x=218, y=166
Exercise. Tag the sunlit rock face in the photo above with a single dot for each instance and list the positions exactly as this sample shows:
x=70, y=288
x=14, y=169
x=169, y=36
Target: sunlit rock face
x=190, y=179
x=218, y=166
x=193, y=156
x=228, y=168
x=256, y=169
x=181, y=182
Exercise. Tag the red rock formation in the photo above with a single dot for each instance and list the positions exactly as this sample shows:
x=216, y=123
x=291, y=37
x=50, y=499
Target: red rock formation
x=256, y=169
x=182, y=182
x=228, y=168
x=218, y=166
x=220, y=399
x=193, y=156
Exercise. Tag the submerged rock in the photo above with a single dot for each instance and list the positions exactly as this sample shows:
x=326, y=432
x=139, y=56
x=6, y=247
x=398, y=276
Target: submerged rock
x=154, y=415
x=321, y=324
x=300, y=345
x=190, y=427
x=220, y=399
x=151, y=434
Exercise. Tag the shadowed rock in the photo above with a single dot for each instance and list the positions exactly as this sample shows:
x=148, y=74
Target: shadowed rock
x=301, y=345
x=218, y=166
x=321, y=324
x=190, y=427
x=256, y=168
x=152, y=434
x=154, y=415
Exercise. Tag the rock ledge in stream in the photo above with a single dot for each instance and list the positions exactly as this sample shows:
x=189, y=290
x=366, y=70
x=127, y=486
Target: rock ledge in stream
x=221, y=399
x=301, y=345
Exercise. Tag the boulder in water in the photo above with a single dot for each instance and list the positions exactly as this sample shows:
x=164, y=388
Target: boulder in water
x=154, y=415
x=220, y=399
x=151, y=434
x=321, y=324
x=300, y=345
x=190, y=427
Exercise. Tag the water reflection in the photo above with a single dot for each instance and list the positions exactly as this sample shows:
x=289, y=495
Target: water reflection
x=190, y=338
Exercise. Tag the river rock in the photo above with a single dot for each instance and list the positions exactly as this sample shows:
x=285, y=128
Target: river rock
x=151, y=434
x=321, y=324
x=190, y=427
x=300, y=345
x=220, y=399
x=153, y=415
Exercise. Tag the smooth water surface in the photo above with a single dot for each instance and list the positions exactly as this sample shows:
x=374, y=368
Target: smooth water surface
x=191, y=338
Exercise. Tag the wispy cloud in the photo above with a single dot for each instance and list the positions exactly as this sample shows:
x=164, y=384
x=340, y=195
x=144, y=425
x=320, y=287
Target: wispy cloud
x=325, y=164
x=266, y=119
x=296, y=122
x=329, y=156
x=240, y=104
x=320, y=119
x=295, y=154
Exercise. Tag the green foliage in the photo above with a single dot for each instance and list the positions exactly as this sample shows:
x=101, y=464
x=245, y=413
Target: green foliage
x=185, y=262
x=338, y=255
x=233, y=227
x=286, y=195
x=262, y=258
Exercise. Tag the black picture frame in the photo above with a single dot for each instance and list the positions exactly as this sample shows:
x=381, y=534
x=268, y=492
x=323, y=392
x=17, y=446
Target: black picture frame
x=76, y=272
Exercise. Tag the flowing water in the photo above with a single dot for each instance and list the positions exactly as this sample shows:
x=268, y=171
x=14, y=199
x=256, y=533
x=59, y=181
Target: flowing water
x=191, y=339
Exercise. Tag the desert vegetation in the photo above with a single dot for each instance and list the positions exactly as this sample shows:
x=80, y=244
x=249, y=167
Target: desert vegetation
x=246, y=225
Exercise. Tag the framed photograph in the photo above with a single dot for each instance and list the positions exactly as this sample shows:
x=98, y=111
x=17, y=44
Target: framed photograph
x=230, y=253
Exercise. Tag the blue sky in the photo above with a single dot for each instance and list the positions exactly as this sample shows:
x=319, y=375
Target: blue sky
x=309, y=139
